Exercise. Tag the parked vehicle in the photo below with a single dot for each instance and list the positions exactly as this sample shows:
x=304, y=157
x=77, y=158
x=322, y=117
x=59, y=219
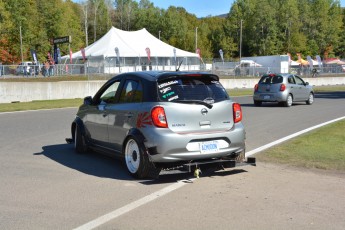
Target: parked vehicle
x=161, y=120
x=284, y=89
x=24, y=68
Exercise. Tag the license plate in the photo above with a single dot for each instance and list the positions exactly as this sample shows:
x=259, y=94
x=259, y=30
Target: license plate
x=209, y=147
x=267, y=97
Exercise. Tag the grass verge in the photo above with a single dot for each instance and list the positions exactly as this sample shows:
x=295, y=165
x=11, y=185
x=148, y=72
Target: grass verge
x=34, y=105
x=323, y=148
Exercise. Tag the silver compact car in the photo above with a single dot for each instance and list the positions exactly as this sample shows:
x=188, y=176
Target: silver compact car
x=282, y=88
x=161, y=120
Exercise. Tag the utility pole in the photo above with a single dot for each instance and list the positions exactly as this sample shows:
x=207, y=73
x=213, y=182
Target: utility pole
x=21, y=41
x=241, y=40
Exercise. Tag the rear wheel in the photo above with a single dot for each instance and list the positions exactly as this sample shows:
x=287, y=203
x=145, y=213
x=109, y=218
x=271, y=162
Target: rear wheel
x=241, y=157
x=137, y=160
x=79, y=141
x=288, y=101
x=310, y=99
x=257, y=103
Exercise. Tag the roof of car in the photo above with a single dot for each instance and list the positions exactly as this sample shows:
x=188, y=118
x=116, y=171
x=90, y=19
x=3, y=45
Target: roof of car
x=155, y=75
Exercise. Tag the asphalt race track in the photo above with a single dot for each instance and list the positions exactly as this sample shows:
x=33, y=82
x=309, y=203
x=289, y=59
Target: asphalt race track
x=46, y=185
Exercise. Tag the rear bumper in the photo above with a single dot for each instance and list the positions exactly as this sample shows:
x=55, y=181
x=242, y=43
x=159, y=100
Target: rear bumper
x=270, y=97
x=174, y=147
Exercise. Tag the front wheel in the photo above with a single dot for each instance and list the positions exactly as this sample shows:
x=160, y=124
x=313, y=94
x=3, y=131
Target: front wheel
x=310, y=99
x=138, y=162
x=79, y=140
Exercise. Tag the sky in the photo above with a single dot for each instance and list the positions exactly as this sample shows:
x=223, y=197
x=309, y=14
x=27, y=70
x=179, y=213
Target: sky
x=202, y=8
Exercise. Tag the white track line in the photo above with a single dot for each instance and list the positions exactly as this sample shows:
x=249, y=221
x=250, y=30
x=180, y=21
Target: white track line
x=131, y=206
x=269, y=145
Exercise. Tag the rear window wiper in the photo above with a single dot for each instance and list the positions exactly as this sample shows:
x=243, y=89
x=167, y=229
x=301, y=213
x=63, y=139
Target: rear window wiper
x=195, y=102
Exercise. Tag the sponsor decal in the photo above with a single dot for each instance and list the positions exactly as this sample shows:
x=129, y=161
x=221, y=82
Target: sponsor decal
x=168, y=95
x=173, y=98
x=165, y=90
x=165, y=84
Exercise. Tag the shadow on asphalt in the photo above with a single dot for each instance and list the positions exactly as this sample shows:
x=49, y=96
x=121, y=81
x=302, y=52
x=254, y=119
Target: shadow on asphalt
x=99, y=165
x=331, y=95
x=90, y=163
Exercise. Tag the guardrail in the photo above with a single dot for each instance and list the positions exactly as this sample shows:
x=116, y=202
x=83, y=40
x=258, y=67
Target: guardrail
x=29, y=91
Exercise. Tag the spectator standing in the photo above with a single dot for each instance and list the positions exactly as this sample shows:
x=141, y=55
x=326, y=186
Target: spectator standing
x=46, y=68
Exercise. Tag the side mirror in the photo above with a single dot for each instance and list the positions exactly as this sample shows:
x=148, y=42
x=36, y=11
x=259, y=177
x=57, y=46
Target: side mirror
x=307, y=83
x=88, y=100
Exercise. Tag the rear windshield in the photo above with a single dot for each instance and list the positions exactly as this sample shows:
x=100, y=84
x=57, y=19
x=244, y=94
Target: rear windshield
x=191, y=88
x=271, y=79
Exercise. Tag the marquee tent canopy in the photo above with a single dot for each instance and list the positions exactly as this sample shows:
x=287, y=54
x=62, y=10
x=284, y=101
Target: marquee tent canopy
x=130, y=44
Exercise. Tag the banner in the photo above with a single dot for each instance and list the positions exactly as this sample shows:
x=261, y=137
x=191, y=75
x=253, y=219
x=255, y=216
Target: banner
x=50, y=58
x=221, y=54
x=319, y=62
x=34, y=55
x=117, y=52
x=310, y=62
x=174, y=51
x=70, y=56
x=82, y=50
x=198, y=51
x=148, y=52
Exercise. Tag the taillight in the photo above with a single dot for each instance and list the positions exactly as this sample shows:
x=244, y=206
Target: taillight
x=158, y=117
x=236, y=108
x=256, y=87
x=282, y=87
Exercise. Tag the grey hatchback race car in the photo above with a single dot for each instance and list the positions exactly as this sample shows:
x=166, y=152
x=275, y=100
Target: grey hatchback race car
x=284, y=89
x=161, y=120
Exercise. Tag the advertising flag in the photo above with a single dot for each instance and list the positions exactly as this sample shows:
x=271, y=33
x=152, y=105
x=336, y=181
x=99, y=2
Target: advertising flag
x=34, y=55
x=221, y=54
x=83, y=53
x=117, y=52
x=198, y=51
x=319, y=62
x=310, y=62
x=70, y=56
x=148, y=52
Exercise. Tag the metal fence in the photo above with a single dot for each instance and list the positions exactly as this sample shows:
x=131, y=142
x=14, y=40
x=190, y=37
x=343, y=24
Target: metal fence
x=219, y=68
x=40, y=70
x=235, y=69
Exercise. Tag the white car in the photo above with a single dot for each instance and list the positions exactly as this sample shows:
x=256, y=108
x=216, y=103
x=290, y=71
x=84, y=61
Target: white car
x=24, y=68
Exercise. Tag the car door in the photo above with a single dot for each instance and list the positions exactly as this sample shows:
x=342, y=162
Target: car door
x=123, y=113
x=301, y=92
x=97, y=118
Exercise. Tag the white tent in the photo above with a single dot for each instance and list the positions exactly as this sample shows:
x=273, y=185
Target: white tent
x=132, y=51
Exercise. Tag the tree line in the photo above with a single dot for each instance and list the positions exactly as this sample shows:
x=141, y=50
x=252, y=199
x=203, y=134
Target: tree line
x=250, y=27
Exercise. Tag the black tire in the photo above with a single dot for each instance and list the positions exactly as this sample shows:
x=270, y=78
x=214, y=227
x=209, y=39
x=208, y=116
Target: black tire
x=137, y=160
x=310, y=99
x=257, y=103
x=289, y=100
x=79, y=141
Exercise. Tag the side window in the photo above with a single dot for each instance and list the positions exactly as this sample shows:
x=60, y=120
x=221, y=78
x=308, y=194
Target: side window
x=299, y=81
x=108, y=95
x=131, y=92
x=291, y=80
